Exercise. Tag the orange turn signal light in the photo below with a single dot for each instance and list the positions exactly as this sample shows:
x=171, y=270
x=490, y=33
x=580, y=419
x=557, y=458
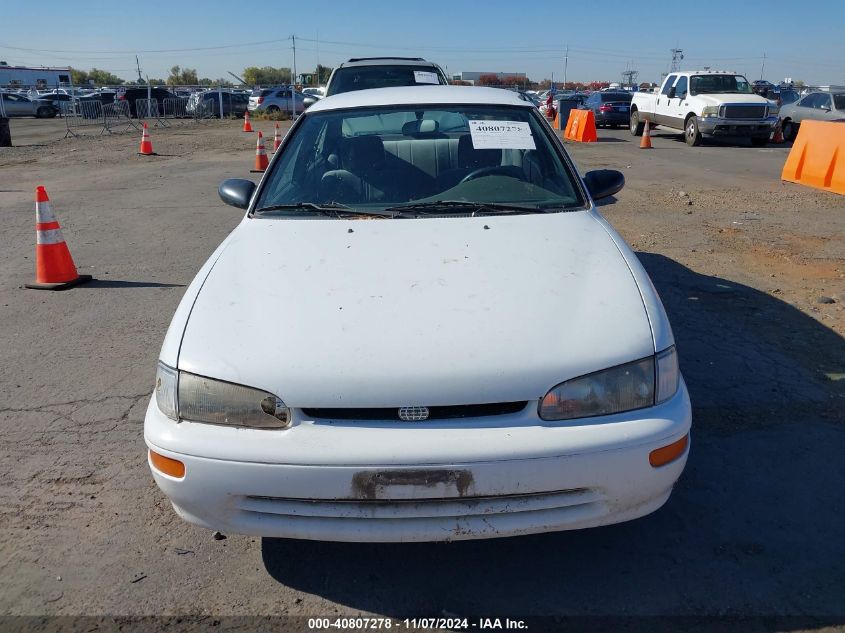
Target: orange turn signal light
x=669, y=453
x=167, y=465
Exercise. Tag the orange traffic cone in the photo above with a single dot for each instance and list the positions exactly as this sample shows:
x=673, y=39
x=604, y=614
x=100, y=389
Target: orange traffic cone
x=778, y=137
x=645, y=143
x=247, y=126
x=54, y=267
x=261, y=161
x=146, y=144
x=277, y=139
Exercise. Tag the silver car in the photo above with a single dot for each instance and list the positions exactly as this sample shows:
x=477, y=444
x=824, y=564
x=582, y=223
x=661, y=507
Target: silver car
x=18, y=105
x=279, y=100
x=818, y=106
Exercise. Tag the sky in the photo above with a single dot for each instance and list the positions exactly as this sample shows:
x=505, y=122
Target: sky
x=604, y=38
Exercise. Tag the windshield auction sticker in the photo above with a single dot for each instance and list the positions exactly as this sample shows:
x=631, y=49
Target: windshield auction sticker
x=501, y=135
x=425, y=77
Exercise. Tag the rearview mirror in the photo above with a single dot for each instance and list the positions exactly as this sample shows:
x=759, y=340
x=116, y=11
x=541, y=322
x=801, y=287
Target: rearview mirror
x=602, y=183
x=236, y=192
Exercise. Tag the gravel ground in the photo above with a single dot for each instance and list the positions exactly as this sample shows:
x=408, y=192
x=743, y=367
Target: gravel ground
x=743, y=262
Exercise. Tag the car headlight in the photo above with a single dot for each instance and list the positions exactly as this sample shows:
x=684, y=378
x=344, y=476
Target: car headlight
x=185, y=396
x=774, y=110
x=642, y=383
x=710, y=111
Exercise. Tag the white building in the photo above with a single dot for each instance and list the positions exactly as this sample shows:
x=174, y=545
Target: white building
x=42, y=77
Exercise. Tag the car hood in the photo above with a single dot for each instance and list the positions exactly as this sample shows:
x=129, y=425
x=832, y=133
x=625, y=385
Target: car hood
x=358, y=313
x=722, y=99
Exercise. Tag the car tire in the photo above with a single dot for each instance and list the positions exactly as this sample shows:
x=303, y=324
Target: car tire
x=788, y=129
x=273, y=109
x=43, y=112
x=759, y=141
x=636, y=126
x=692, y=135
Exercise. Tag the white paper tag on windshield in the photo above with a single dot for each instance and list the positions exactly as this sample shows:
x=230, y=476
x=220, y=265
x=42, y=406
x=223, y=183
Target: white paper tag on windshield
x=425, y=77
x=501, y=135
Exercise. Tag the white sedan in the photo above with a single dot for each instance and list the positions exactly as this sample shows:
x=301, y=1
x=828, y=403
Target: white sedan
x=422, y=330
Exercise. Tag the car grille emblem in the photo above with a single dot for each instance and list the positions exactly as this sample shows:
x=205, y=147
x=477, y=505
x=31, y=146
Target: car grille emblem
x=413, y=414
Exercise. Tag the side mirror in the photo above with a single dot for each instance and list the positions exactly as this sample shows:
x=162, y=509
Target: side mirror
x=236, y=192
x=602, y=183
x=671, y=94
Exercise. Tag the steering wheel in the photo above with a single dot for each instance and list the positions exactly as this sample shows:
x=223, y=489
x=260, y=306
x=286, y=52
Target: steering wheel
x=502, y=170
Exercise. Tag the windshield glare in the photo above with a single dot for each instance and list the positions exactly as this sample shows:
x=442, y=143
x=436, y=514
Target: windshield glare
x=719, y=84
x=369, y=159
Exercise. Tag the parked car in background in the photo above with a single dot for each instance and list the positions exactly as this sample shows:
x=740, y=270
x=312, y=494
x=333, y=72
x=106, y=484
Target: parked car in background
x=279, y=100
x=384, y=72
x=816, y=106
x=611, y=108
x=317, y=93
x=208, y=102
x=16, y=105
x=783, y=95
x=131, y=95
x=706, y=104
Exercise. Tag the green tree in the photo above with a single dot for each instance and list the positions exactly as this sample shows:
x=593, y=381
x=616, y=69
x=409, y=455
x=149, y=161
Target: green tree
x=182, y=77
x=323, y=73
x=103, y=77
x=78, y=77
x=266, y=76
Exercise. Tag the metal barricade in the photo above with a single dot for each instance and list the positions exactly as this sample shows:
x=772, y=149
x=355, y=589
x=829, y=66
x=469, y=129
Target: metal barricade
x=118, y=117
x=207, y=109
x=148, y=110
x=175, y=108
x=82, y=117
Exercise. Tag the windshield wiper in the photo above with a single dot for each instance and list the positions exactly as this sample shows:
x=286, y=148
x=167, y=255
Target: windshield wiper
x=438, y=206
x=328, y=208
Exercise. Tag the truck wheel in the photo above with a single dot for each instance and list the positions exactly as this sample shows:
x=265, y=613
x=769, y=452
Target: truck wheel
x=788, y=130
x=636, y=126
x=691, y=134
x=759, y=141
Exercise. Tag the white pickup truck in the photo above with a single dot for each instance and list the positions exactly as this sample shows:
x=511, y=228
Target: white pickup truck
x=706, y=103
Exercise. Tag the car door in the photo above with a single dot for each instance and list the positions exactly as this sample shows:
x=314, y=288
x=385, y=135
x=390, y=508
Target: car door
x=677, y=105
x=662, y=109
x=804, y=108
x=824, y=108
x=16, y=105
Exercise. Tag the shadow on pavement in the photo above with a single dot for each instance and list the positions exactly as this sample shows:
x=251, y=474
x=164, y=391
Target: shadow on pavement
x=117, y=283
x=754, y=527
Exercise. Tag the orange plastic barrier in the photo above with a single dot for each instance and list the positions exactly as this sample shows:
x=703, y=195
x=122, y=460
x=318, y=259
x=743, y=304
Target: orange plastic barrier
x=817, y=158
x=581, y=127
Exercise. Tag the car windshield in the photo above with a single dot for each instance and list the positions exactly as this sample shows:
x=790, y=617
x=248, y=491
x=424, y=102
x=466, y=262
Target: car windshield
x=839, y=101
x=382, y=158
x=719, y=84
x=364, y=77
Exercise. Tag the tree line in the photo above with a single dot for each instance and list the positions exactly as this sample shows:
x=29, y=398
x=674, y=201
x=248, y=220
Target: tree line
x=179, y=76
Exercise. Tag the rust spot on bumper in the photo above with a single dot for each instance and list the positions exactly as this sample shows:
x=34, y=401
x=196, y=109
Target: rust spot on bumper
x=366, y=484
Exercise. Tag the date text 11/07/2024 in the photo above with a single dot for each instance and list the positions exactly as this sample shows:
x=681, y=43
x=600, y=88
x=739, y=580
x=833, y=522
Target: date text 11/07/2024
x=413, y=624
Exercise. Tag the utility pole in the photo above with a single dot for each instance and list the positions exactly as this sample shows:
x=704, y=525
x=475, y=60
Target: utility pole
x=763, y=66
x=293, y=38
x=138, y=65
x=565, y=66
x=318, y=59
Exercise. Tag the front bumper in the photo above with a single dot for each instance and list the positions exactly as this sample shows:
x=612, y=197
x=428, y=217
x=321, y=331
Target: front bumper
x=715, y=126
x=438, y=482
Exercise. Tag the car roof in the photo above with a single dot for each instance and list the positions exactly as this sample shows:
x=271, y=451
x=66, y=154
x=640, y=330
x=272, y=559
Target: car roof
x=419, y=95
x=384, y=61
